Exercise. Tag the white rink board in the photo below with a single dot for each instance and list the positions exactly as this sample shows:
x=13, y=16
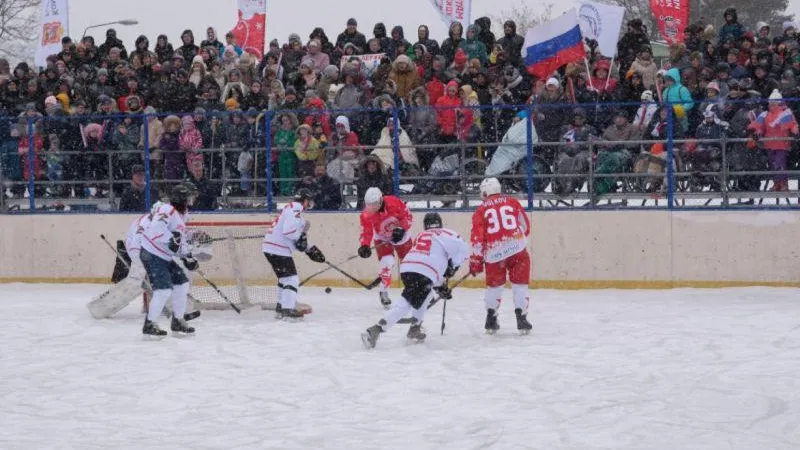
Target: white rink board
x=679, y=369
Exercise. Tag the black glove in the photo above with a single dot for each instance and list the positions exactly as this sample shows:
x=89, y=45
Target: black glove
x=364, y=251
x=444, y=292
x=398, y=234
x=175, y=242
x=302, y=243
x=190, y=263
x=451, y=270
x=315, y=254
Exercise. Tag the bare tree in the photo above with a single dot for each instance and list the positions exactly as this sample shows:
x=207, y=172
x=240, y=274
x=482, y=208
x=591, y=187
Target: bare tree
x=523, y=15
x=18, y=28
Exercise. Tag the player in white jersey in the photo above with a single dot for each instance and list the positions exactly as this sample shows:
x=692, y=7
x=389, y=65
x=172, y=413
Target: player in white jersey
x=162, y=241
x=287, y=234
x=129, y=280
x=435, y=257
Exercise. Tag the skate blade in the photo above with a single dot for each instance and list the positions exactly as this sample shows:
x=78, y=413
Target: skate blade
x=524, y=332
x=292, y=319
x=414, y=341
x=491, y=332
x=182, y=334
x=153, y=337
x=191, y=316
x=366, y=341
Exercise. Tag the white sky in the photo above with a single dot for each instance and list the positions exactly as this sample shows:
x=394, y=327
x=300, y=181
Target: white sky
x=283, y=16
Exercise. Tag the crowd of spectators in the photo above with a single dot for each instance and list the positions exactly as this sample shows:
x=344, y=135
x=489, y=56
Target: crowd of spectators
x=335, y=118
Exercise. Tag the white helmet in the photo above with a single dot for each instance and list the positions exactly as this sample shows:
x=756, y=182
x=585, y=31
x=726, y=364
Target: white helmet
x=490, y=186
x=373, y=196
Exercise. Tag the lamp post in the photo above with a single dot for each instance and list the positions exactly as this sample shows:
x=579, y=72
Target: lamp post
x=126, y=22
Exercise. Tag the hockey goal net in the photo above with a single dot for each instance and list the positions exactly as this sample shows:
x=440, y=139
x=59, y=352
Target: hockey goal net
x=236, y=265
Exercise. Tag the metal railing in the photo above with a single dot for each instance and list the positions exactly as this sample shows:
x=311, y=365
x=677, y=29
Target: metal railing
x=678, y=178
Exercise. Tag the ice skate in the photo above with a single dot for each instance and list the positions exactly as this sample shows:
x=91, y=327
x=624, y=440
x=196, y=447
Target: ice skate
x=152, y=329
x=278, y=312
x=415, y=332
x=523, y=325
x=491, y=322
x=180, y=326
x=370, y=337
x=385, y=300
x=291, y=315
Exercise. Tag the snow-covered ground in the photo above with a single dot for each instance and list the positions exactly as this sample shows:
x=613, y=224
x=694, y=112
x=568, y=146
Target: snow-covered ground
x=682, y=369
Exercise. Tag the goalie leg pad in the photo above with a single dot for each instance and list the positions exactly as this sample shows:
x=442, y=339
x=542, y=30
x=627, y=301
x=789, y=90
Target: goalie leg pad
x=288, y=298
x=115, y=299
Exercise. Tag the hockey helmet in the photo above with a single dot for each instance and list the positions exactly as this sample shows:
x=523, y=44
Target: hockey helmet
x=490, y=186
x=303, y=195
x=373, y=196
x=432, y=220
x=180, y=196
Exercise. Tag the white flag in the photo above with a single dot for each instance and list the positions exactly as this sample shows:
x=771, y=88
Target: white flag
x=454, y=11
x=53, y=26
x=602, y=23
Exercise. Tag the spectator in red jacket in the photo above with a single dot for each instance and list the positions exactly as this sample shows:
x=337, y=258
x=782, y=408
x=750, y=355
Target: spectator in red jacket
x=452, y=120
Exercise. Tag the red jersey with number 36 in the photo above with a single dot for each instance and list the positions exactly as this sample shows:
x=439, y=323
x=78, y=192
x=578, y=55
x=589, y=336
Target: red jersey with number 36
x=500, y=228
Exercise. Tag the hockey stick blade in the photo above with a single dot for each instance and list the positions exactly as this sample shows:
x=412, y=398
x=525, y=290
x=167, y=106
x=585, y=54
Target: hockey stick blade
x=219, y=291
x=352, y=278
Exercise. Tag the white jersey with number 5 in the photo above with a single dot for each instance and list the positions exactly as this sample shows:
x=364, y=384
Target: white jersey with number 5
x=157, y=236
x=284, y=232
x=431, y=252
x=500, y=228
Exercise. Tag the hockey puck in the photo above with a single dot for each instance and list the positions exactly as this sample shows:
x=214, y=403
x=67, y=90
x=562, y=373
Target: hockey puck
x=327, y=290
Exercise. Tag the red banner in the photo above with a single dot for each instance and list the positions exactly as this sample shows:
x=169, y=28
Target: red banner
x=671, y=17
x=252, y=26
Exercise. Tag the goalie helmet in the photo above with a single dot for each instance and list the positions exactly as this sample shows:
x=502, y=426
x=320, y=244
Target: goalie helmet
x=490, y=186
x=373, y=196
x=432, y=220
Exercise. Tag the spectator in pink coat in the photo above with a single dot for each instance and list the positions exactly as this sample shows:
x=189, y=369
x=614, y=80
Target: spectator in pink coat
x=190, y=140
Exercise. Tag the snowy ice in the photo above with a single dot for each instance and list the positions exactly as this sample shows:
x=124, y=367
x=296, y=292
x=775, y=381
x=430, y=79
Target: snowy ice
x=681, y=369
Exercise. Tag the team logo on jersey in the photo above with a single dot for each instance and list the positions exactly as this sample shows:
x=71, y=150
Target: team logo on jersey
x=387, y=226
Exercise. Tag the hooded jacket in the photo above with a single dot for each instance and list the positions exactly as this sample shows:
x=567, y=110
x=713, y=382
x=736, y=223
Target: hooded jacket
x=486, y=36
x=512, y=44
x=190, y=50
x=165, y=52
x=431, y=45
x=379, y=179
x=394, y=43
x=421, y=118
x=451, y=44
x=474, y=48
x=112, y=42
x=406, y=79
x=679, y=96
x=379, y=32
x=731, y=28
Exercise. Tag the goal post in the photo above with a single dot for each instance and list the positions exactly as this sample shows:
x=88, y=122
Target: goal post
x=236, y=264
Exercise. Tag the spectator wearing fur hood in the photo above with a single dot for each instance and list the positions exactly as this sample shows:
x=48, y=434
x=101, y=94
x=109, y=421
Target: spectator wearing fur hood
x=405, y=76
x=384, y=149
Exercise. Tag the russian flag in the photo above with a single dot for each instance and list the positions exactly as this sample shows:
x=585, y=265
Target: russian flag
x=550, y=45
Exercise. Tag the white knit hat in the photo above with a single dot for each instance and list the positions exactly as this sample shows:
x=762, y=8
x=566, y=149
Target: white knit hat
x=775, y=95
x=553, y=81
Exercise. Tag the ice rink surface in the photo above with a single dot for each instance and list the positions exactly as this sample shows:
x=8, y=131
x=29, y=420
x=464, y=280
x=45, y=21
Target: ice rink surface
x=681, y=369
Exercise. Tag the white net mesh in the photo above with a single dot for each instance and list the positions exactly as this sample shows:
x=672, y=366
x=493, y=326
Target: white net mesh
x=230, y=256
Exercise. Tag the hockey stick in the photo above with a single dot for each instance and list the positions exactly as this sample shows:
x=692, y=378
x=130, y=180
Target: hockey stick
x=444, y=312
x=436, y=300
x=219, y=291
x=318, y=273
x=356, y=280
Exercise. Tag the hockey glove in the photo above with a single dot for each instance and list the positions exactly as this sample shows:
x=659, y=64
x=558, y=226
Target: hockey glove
x=475, y=265
x=175, y=242
x=315, y=254
x=364, y=251
x=302, y=243
x=444, y=292
x=451, y=270
x=398, y=234
x=190, y=263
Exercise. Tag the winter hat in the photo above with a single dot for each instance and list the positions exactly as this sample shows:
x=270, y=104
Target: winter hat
x=787, y=25
x=552, y=82
x=342, y=120
x=776, y=95
x=294, y=37
x=460, y=57
x=761, y=25
x=713, y=85
x=307, y=63
x=647, y=96
x=63, y=99
x=102, y=72
x=290, y=91
x=149, y=110
x=403, y=59
x=352, y=21
x=198, y=60
x=50, y=101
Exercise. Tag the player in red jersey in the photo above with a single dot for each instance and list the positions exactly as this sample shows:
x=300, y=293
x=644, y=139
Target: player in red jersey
x=387, y=221
x=500, y=230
